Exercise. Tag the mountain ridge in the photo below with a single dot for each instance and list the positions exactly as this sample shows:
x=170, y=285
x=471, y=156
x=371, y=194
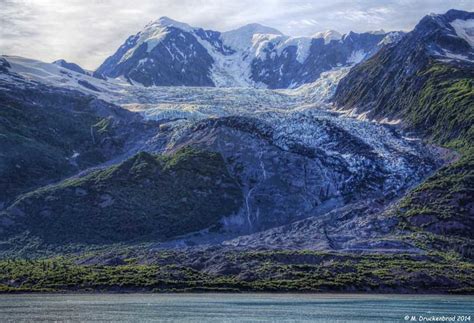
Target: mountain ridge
x=426, y=81
x=244, y=188
x=252, y=55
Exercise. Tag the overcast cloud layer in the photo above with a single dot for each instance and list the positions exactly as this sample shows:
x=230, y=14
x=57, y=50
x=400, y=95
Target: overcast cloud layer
x=87, y=31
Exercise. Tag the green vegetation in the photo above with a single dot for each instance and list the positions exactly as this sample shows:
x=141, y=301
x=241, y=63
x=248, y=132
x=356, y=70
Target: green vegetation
x=444, y=197
x=291, y=271
x=144, y=197
x=444, y=109
x=437, y=102
x=443, y=204
x=40, y=131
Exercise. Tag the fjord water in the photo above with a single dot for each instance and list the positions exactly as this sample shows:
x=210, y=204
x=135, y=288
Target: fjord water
x=230, y=307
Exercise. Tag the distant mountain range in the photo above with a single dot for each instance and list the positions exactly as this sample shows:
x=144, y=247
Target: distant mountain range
x=167, y=52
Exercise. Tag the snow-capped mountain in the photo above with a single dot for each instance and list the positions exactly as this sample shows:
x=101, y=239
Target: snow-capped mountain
x=70, y=66
x=167, y=52
x=454, y=36
x=242, y=38
x=440, y=50
x=328, y=35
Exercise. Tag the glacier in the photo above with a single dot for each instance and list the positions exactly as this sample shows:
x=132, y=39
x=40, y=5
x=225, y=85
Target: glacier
x=289, y=148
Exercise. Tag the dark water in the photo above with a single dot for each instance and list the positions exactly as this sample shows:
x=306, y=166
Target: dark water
x=233, y=308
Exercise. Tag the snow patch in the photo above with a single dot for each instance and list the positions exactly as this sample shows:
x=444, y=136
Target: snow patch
x=328, y=36
x=460, y=57
x=230, y=70
x=168, y=22
x=154, y=33
x=303, y=45
x=242, y=38
x=391, y=37
x=260, y=42
x=464, y=29
x=323, y=88
x=356, y=57
x=391, y=122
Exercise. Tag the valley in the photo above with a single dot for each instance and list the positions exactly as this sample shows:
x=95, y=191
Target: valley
x=347, y=173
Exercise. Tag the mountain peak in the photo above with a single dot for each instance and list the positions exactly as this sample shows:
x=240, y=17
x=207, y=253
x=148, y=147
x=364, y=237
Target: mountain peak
x=165, y=21
x=241, y=38
x=447, y=27
x=328, y=35
x=458, y=14
x=168, y=52
x=70, y=66
x=153, y=33
x=443, y=19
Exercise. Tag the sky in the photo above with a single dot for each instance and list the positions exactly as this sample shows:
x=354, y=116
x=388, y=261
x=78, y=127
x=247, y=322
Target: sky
x=88, y=31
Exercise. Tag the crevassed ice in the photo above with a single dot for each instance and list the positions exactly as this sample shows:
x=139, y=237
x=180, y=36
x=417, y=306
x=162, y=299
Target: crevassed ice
x=296, y=116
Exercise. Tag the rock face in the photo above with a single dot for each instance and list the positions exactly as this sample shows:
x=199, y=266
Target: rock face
x=70, y=66
x=167, y=52
x=4, y=65
x=360, y=226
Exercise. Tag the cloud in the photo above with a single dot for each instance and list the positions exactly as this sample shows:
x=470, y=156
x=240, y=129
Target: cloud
x=86, y=32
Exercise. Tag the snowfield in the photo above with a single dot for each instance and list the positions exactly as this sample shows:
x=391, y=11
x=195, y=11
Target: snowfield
x=464, y=29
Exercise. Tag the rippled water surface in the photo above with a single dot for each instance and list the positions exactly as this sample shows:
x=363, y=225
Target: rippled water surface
x=233, y=308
